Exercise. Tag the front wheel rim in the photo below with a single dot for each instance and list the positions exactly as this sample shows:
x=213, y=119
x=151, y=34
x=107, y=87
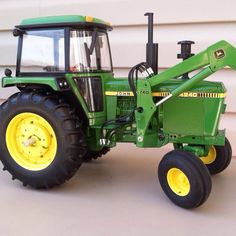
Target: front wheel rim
x=178, y=182
x=31, y=141
x=210, y=157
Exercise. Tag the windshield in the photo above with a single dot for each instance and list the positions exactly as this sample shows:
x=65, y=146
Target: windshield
x=43, y=51
x=89, y=51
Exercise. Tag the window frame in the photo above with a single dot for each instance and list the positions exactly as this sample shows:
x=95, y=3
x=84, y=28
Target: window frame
x=67, y=31
x=108, y=44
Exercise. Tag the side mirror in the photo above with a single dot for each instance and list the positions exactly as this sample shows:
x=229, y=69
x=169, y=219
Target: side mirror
x=18, y=32
x=8, y=72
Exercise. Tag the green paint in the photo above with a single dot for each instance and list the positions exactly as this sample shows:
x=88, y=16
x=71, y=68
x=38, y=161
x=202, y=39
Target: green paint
x=199, y=61
x=182, y=119
x=194, y=80
x=12, y=81
x=176, y=119
x=175, y=123
x=95, y=118
x=60, y=19
x=145, y=136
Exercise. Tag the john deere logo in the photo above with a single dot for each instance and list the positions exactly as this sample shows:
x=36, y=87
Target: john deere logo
x=219, y=53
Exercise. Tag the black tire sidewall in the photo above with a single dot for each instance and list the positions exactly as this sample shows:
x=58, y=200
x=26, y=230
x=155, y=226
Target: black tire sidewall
x=55, y=169
x=186, y=163
x=223, y=158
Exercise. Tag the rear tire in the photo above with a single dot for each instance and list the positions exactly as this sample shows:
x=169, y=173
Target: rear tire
x=42, y=144
x=218, y=158
x=184, y=179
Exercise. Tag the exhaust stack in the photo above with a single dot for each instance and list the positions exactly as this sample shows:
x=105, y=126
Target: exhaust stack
x=151, y=48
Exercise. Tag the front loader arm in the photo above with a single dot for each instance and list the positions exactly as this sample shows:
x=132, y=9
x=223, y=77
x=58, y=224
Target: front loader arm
x=217, y=56
x=214, y=58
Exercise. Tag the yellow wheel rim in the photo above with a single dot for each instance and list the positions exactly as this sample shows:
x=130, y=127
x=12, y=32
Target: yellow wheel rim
x=211, y=156
x=178, y=182
x=31, y=141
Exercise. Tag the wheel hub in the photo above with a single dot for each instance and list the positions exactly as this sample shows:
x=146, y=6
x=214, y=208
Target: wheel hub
x=178, y=182
x=31, y=141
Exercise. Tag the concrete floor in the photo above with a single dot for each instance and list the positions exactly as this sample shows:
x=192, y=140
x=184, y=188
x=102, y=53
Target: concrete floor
x=116, y=195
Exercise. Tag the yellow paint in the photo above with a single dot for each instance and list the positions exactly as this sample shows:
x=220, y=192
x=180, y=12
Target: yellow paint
x=160, y=94
x=89, y=18
x=165, y=94
x=178, y=182
x=210, y=157
x=119, y=93
x=31, y=141
x=110, y=93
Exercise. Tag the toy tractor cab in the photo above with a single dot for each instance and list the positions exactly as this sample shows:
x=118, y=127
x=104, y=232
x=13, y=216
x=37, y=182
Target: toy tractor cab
x=71, y=109
x=54, y=47
x=76, y=44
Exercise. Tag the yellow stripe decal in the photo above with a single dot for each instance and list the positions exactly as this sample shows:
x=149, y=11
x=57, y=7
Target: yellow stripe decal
x=160, y=94
x=119, y=93
x=165, y=94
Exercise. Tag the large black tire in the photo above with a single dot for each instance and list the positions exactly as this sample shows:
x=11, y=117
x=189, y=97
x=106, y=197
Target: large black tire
x=218, y=158
x=93, y=155
x=67, y=148
x=184, y=179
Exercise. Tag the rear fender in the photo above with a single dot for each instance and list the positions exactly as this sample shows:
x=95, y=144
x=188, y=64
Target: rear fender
x=55, y=84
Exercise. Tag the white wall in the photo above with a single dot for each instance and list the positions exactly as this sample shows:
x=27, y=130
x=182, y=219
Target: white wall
x=204, y=21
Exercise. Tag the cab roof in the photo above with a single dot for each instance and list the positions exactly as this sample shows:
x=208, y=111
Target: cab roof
x=67, y=20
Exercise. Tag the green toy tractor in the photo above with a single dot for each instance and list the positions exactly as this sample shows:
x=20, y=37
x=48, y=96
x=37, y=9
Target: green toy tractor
x=70, y=109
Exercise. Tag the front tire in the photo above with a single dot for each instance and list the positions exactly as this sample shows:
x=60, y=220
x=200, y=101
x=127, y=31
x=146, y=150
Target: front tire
x=184, y=179
x=42, y=144
x=218, y=158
